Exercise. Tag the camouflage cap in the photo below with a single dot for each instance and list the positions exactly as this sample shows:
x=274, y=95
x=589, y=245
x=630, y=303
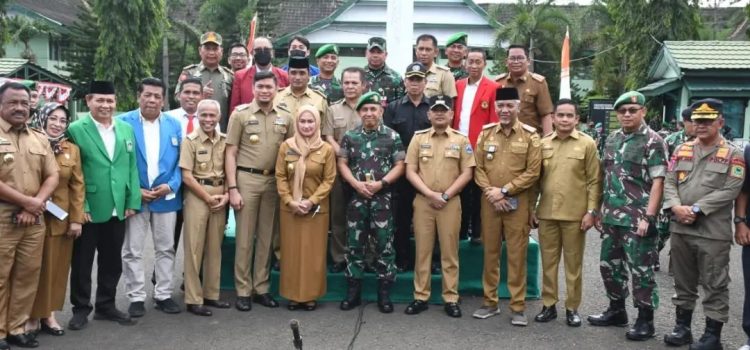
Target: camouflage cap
x=211, y=37
x=459, y=38
x=371, y=97
x=630, y=97
x=326, y=49
x=374, y=42
x=709, y=108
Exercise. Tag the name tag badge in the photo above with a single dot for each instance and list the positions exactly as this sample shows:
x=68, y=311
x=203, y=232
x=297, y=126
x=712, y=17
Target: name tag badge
x=425, y=146
x=129, y=145
x=279, y=121
x=253, y=122
x=202, y=151
x=174, y=141
x=454, y=147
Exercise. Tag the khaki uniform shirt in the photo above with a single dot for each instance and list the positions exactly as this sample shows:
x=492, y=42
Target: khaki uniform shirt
x=343, y=118
x=440, y=81
x=320, y=172
x=534, y=93
x=710, y=178
x=258, y=135
x=26, y=160
x=221, y=80
x=570, y=180
x=204, y=155
x=286, y=99
x=440, y=158
x=512, y=161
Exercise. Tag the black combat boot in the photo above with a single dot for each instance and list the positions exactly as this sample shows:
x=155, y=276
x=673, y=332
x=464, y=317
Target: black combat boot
x=643, y=329
x=353, y=294
x=615, y=315
x=681, y=334
x=711, y=338
x=384, y=299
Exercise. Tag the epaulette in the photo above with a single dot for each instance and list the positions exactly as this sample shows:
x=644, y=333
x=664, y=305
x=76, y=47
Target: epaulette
x=337, y=101
x=458, y=132
x=226, y=69
x=442, y=67
x=501, y=76
x=37, y=130
x=318, y=91
x=282, y=106
x=192, y=136
x=222, y=135
x=242, y=107
x=537, y=77
x=421, y=131
x=528, y=128
x=190, y=66
x=489, y=126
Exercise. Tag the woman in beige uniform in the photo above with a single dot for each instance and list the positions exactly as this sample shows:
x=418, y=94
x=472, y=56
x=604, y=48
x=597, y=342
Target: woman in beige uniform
x=58, y=242
x=305, y=171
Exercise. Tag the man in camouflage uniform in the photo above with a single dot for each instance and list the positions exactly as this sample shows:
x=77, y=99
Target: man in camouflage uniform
x=328, y=59
x=217, y=79
x=370, y=159
x=381, y=78
x=456, y=51
x=704, y=178
x=634, y=165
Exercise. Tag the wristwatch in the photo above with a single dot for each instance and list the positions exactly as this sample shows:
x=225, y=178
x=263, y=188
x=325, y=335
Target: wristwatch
x=739, y=219
x=695, y=209
x=385, y=183
x=651, y=218
x=592, y=212
x=504, y=191
x=445, y=196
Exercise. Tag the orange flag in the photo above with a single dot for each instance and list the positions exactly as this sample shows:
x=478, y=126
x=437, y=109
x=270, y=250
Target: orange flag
x=565, y=67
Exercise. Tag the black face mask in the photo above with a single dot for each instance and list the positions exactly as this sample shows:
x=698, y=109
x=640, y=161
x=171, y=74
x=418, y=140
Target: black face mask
x=262, y=57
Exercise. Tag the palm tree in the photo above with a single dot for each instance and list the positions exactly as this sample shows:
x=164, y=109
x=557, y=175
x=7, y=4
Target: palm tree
x=24, y=30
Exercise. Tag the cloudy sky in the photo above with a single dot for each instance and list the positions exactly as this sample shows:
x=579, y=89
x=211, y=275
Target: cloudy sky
x=721, y=3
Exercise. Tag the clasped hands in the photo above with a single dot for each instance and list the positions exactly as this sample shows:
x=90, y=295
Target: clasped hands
x=498, y=200
x=301, y=207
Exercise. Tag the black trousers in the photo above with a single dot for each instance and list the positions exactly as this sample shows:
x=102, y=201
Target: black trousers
x=178, y=229
x=105, y=238
x=471, y=197
x=746, y=275
x=403, y=204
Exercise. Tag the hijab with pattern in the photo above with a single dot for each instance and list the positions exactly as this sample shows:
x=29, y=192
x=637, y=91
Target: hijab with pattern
x=41, y=122
x=304, y=146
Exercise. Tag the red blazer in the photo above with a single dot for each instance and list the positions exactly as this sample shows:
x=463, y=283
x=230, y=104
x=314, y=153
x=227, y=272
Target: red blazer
x=242, y=87
x=482, y=110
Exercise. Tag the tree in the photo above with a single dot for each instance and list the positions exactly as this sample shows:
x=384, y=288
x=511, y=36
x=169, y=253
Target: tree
x=23, y=29
x=4, y=33
x=230, y=18
x=130, y=32
x=83, y=36
x=269, y=18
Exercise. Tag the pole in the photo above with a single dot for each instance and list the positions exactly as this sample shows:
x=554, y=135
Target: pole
x=399, y=32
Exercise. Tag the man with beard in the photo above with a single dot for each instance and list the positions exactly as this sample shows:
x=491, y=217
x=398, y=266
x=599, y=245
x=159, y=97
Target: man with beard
x=242, y=88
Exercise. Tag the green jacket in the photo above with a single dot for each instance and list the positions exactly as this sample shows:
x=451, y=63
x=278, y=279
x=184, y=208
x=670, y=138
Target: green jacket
x=111, y=185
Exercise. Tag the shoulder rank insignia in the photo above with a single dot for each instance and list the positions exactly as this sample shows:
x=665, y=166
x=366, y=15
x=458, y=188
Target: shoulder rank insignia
x=458, y=132
x=421, y=131
x=192, y=136
x=489, y=126
x=528, y=128
x=442, y=67
x=537, y=77
x=242, y=107
x=501, y=76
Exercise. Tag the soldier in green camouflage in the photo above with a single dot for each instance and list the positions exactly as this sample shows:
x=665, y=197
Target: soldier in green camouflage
x=634, y=165
x=370, y=159
x=381, y=78
x=456, y=51
x=327, y=57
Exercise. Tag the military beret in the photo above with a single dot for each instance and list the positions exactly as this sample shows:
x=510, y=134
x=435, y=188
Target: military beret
x=211, y=37
x=459, y=38
x=440, y=100
x=326, y=49
x=416, y=69
x=374, y=42
x=709, y=108
x=371, y=97
x=630, y=97
x=102, y=87
x=506, y=93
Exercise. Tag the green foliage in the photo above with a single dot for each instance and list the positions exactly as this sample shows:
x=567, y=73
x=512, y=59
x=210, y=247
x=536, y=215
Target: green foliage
x=130, y=34
x=22, y=29
x=230, y=18
x=83, y=35
x=747, y=15
x=269, y=18
x=4, y=33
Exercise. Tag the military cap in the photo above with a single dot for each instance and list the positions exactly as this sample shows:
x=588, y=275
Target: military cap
x=709, y=108
x=102, y=87
x=211, y=37
x=459, y=38
x=326, y=49
x=687, y=113
x=376, y=41
x=416, y=69
x=630, y=97
x=441, y=101
x=506, y=93
x=371, y=97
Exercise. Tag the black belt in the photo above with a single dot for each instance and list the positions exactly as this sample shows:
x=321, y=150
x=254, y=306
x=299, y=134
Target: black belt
x=256, y=171
x=210, y=182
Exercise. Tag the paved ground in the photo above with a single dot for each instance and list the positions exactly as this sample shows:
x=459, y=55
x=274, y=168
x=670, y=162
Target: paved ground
x=330, y=328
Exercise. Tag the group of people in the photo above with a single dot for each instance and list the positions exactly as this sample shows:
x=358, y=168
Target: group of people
x=370, y=156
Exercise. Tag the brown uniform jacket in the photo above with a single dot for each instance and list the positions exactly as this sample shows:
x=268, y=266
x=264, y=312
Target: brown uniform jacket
x=534, y=93
x=70, y=191
x=440, y=81
x=512, y=161
x=440, y=158
x=342, y=119
x=286, y=100
x=320, y=173
x=203, y=156
x=258, y=135
x=26, y=160
x=711, y=179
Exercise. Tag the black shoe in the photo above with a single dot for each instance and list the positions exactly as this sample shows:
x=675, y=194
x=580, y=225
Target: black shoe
x=219, y=304
x=4, y=344
x=572, y=318
x=547, y=314
x=475, y=241
x=276, y=265
x=681, y=334
x=615, y=315
x=52, y=331
x=78, y=321
x=243, y=304
x=266, y=300
x=168, y=306
x=182, y=286
x=199, y=310
x=137, y=309
x=657, y=266
x=415, y=307
x=643, y=329
x=711, y=339
x=311, y=305
x=353, y=295
x=337, y=267
x=435, y=269
x=293, y=306
x=384, y=298
x=153, y=278
x=115, y=316
x=23, y=340
x=452, y=310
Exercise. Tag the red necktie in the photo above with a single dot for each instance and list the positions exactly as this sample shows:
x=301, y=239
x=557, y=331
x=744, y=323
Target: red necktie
x=190, y=124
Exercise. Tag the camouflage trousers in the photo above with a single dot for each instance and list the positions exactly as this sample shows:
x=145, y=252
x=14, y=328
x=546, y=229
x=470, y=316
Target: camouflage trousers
x=370, y=220
x=624, y=252
x=662, y=226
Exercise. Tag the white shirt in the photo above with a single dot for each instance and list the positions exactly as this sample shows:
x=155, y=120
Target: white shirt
x=182, y=116
x=108, y=136
x=466, y=104
x=151, y=140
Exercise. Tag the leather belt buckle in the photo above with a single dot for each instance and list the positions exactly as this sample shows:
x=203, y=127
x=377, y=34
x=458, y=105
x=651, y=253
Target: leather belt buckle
x=266, y=172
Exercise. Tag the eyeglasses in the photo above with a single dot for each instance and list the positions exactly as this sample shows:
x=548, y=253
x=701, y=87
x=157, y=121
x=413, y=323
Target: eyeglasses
x=239, y=55
x=517, y=58
x=631, y=110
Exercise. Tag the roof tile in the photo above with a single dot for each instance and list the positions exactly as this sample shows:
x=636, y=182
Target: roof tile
x=710, y=54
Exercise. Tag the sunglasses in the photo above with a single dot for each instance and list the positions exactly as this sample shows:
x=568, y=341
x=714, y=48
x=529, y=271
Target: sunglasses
x=631, y=110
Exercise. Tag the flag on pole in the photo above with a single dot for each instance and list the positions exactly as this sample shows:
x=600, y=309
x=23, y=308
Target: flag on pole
x=565, y=67
x=251, y=35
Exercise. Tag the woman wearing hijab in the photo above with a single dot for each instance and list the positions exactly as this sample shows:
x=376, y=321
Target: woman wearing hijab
x=53, y=119
x=305, y=171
